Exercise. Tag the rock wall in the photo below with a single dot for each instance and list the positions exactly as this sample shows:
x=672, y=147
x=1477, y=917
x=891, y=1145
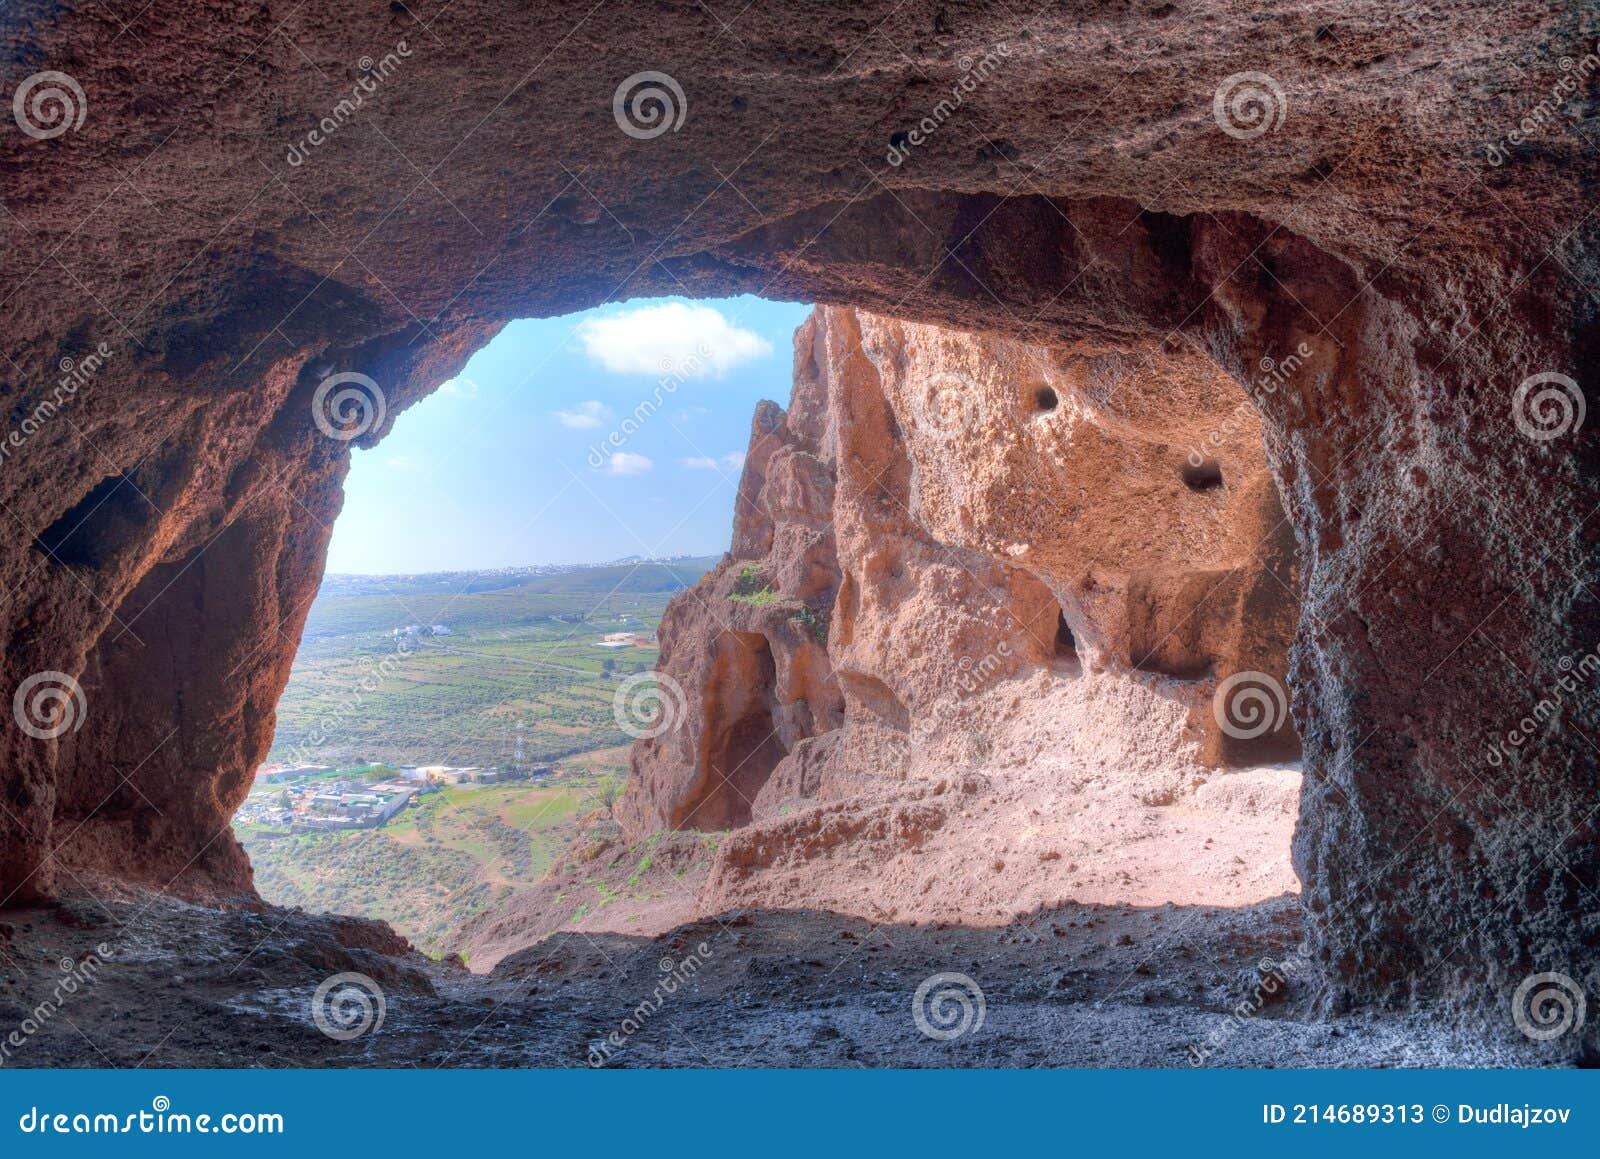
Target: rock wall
x=1408, y=199
x=939, y=513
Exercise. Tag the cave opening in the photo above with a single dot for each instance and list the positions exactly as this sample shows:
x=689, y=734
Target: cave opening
x=743, y=744
x=1065, y=646
x=1388, y=389
x=480, y=655
x=1205, y=475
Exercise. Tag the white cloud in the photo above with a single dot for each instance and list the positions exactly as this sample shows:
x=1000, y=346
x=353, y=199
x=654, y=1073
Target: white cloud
x=674, y=338
x=732, y=461
x=628, y=463
x=461, y=386
x=585, y=416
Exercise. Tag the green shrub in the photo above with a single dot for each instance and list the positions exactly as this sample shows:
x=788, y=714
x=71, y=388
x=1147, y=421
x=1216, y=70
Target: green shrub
x=753, y=588
x=815, y=622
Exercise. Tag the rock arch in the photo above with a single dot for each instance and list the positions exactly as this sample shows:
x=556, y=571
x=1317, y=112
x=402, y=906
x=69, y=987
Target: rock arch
x=1083, y=193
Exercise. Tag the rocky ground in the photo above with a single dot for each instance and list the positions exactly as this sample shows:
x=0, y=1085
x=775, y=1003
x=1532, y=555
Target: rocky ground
x=180, y=985
x=1044, y=791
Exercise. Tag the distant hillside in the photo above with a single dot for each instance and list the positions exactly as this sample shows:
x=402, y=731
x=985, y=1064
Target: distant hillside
x=518, y=670
x=486, y=600
x=522, y=675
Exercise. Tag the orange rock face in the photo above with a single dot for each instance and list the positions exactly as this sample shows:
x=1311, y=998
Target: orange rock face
x=941, y=514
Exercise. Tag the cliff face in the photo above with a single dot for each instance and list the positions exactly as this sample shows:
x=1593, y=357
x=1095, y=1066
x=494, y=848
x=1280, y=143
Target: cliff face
x=1413, y=209
x=940, y=513
x=974, y=568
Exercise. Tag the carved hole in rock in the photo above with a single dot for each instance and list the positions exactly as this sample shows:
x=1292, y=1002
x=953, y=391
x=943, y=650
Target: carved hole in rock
x=1203, y=476
x=742, y=737
x=1045, y=400
x=108, y=519
x=1065, y=644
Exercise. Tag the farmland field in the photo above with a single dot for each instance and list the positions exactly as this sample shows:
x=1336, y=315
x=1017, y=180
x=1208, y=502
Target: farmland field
x=460, y=851
x=520, y=665
x=515, y=680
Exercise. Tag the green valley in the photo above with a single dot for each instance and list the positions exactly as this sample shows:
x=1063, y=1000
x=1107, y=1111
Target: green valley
x=450, y=680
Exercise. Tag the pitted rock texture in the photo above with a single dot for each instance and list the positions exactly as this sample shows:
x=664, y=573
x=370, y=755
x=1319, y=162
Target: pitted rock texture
x=1083, y=192
x=181, y=985
x=882, y=690
x=939, y=513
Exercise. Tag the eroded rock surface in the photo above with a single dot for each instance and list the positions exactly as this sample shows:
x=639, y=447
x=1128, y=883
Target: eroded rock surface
x=1414, y=209
x=940, y=513
x=179, y=985
x=976, y=611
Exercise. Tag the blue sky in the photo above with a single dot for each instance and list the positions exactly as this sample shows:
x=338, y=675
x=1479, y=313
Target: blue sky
x=497, y=468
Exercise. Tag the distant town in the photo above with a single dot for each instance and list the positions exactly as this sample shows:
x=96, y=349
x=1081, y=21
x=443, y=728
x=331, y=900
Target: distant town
x=321, y=799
